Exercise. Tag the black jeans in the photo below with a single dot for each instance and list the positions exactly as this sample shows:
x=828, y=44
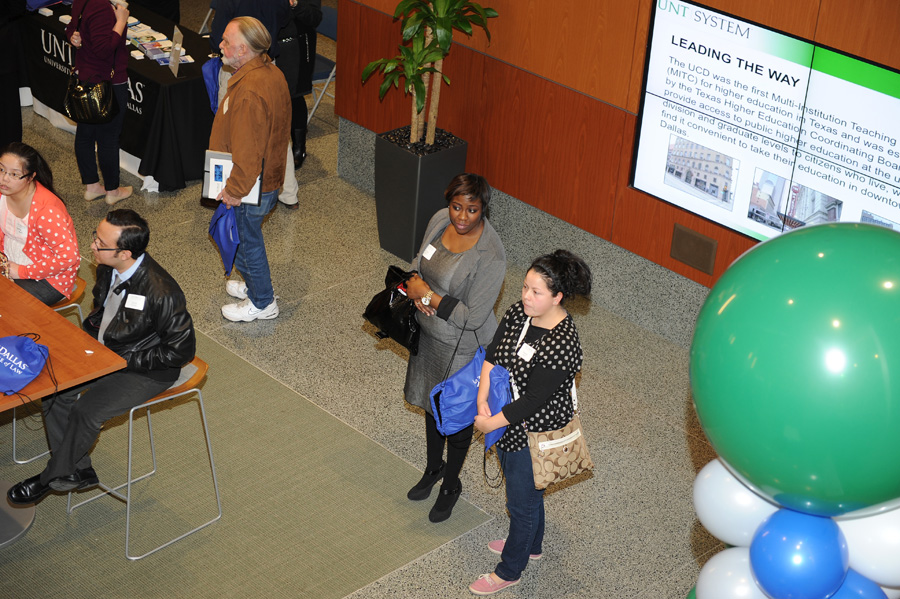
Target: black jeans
x=41, y=289
x=106, y=139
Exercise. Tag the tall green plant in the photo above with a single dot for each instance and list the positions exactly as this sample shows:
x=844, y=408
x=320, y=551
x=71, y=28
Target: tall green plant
x=428, y=25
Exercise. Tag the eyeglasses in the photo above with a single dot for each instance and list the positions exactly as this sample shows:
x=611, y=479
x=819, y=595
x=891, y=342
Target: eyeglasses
x=96, y=241
x=10, y=174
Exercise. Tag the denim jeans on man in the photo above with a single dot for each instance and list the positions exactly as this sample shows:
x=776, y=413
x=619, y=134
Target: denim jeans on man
x=526, y=514
x=251, y=260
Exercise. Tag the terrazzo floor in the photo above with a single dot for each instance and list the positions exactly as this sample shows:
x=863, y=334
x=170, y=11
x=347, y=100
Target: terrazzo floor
x=628, y=531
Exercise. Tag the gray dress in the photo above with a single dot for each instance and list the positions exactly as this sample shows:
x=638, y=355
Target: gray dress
x=471, y=281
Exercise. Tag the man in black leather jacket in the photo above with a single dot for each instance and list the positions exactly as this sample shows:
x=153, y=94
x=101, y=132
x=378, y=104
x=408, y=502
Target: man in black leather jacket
x=150, y=327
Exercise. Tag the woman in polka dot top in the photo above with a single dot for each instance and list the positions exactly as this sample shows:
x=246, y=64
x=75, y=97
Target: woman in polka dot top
x=543, y=363
x=36, y=232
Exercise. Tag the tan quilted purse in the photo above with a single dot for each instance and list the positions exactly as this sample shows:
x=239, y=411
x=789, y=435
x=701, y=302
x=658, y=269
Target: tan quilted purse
x=560, y=454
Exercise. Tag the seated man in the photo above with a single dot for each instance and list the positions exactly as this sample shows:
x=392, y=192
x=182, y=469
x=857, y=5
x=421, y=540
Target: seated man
x=139, y=313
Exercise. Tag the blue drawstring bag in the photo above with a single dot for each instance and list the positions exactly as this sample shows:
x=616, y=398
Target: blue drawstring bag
x=210, y=70
x=499, y=396
x=223, y=230
x=21, y=361
x=453, y=400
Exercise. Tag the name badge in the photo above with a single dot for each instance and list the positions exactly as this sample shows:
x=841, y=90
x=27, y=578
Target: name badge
x=135, y=301
x=429, y=252
x=526, y=352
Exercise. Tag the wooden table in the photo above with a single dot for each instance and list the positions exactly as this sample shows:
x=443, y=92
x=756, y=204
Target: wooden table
x=76, y=358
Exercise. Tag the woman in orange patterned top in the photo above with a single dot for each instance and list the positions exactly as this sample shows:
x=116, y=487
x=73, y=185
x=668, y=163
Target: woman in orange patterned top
x=36, y=231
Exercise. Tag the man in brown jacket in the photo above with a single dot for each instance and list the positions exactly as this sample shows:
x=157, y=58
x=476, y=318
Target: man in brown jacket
x=253, y=123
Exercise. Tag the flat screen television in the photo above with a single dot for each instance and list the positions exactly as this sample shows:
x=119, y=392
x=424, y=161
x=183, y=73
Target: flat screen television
x=761, y=131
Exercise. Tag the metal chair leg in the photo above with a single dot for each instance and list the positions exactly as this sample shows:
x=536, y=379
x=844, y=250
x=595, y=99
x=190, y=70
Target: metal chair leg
x=14, y=456
x=114, y=491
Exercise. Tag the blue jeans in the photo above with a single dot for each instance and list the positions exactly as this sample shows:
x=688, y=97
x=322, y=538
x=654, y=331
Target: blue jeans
x=251, y=260
x=526, y=514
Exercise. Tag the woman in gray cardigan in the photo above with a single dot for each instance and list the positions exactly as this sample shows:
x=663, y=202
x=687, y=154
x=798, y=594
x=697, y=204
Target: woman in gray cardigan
x=461, y=267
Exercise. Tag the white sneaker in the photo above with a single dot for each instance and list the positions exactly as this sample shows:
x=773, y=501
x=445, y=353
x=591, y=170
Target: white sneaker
x=236, y=289
x=245, y=311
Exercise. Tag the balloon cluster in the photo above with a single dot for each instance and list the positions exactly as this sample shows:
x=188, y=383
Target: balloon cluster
x=795, y=373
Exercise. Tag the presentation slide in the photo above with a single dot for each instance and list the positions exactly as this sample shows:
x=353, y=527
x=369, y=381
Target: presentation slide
x=764, y=132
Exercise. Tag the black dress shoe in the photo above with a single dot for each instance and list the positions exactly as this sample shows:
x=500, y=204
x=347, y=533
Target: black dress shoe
x=28, y=491
x=82, y=479
x=294, y=206
x=423, y=488
x=443, y=507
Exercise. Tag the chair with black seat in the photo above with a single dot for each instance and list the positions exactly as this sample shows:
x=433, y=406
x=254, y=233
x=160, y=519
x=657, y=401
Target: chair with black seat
x=325, y=69
x=74, y=301
x=188, y=383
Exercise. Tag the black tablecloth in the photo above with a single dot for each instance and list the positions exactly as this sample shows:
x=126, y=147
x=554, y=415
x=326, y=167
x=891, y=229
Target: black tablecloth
x=168, y=120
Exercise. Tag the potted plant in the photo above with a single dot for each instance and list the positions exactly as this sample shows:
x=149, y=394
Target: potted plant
x=411, y=172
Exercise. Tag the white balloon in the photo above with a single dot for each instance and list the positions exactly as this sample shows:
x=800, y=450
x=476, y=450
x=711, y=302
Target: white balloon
x=727, y=576
x=891, y=593
x=729, y=510
x=874, y=544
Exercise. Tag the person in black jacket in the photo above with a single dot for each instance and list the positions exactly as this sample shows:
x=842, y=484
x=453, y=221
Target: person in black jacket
x=297, y=59
x=140, y=313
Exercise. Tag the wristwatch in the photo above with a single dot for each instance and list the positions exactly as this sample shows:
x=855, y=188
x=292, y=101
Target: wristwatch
x=426, y=299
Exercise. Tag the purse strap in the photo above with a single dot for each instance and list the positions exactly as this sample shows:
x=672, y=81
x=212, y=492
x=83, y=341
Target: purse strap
x=512, y=380
x=455, y=349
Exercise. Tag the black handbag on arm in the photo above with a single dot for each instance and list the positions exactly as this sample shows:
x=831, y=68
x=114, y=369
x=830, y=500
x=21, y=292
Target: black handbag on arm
x=90, y=103
x=393, y=312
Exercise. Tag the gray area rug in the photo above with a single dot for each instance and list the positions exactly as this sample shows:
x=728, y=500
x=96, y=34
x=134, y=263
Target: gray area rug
x=312, y=508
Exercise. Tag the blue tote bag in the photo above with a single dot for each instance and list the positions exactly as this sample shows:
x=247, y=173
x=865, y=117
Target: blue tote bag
x=21, y=360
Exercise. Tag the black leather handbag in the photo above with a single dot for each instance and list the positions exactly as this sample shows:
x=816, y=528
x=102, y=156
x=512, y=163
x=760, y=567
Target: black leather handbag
x=393, y=312
x=90, y=103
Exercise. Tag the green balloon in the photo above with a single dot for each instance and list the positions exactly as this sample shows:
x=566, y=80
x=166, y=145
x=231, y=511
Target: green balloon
x=795, y=368
x=692, y=594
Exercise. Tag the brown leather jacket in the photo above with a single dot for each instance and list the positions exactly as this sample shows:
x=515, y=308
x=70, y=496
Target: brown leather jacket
x=253, y=123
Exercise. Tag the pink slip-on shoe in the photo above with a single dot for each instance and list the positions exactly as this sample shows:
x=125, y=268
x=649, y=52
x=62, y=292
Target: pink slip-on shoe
x=486, y=585
x=498, y=545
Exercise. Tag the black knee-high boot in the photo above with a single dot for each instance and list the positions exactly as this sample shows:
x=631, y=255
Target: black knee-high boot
x=457, y=448
x=434, y=466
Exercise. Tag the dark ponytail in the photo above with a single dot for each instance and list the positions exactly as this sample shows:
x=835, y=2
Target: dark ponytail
x=565, y=273
x=33, y=162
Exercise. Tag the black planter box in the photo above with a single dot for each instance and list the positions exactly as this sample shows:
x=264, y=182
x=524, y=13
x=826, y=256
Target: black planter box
x=409, y=189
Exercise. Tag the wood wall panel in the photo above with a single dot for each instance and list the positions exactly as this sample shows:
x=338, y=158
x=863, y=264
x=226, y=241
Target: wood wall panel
x=549, y=144
x=644, y=225
x=366, y=35
x=866, y=28
x=595, y=58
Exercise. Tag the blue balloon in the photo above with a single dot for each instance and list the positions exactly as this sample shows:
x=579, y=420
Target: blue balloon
x=857, y=586
x=799, y=556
